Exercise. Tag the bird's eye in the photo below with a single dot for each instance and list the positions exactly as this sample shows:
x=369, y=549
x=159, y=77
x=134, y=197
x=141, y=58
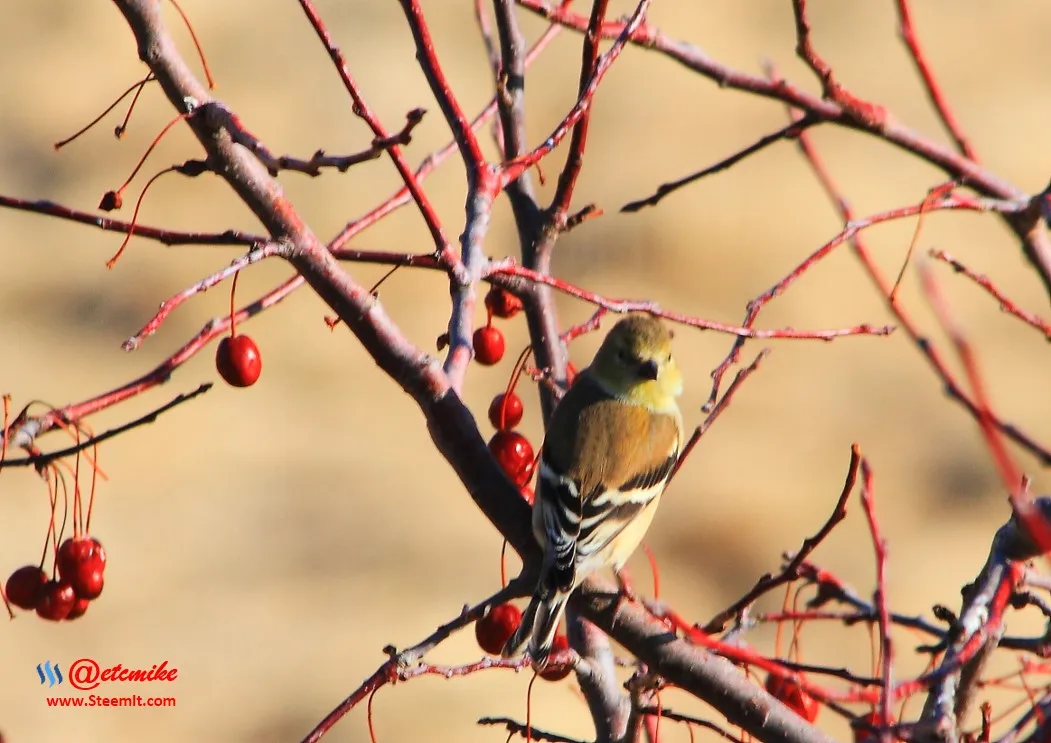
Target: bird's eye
x=626, y=357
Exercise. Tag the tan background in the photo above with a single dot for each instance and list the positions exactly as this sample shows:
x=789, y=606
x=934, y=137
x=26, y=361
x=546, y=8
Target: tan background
x=269, y=542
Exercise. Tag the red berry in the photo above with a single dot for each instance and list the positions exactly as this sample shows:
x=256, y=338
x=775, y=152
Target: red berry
x=505, y=411
x=80, y=563
x=74, y=553
x=238, y=361
x=87, y=584
x=80, y=607
x=25, y=586
x=488, y=345
x=494, y=629
x=789, y=693
x=555, y=672
x=502, y=303
x=527, y=494
x=56, y=601
x=514, y=454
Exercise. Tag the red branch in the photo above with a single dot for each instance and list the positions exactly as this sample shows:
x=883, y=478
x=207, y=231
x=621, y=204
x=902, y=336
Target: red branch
x=409, y=663
x=362, y=109
x=73, y=411
x=167, y=237
x=716, y=411
x=934, y=92
x=868, y=115
x=949, y=201
x=463, y=133
x=986, y=283
x=434, y=389
x=320, y=160
x=516, y=167
x=793, y=570
x=567, y=179
x=402, y=196
x=628, y=305
x=836, y=106
x=483, y=186
x=24, y=434
x=879, y=545
x=1010, y=473
x=168, y=305
x=933, y=356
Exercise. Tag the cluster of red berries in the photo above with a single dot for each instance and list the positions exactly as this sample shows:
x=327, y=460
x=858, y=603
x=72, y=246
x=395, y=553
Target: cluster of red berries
x=494, y=630
x=511, y=449
x=80, y=563
x=516, y=457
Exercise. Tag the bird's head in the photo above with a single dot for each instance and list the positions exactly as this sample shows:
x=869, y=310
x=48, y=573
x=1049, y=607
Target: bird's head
x=635, y=363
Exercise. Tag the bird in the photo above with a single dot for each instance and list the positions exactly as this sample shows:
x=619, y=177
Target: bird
x=611, y=447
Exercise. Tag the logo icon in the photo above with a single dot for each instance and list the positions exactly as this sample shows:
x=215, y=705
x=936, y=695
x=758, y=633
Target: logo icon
x=54, y=675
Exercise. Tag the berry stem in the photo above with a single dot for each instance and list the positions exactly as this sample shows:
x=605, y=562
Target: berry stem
x=873, y=651
x=779, y=632
x=94, y=480
x=512, y=382
x=196, y=43
x=77, y=510
x=120, y=129
x=503, y=565
x=384, y=277
x=368, y=715
x=52, y=496
x=660, y=714
x=233, y=307
x=57, y=538
x=797, y=626
x=135, y=216
x=154, y=143
x=139, y=85
x=937, y=191
x=529, y=709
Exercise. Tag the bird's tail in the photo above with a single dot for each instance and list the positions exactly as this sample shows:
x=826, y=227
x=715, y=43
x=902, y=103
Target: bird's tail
x=539, y=623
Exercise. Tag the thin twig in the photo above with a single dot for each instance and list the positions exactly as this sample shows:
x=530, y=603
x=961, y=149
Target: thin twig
x=43, y=459
x=791, y=571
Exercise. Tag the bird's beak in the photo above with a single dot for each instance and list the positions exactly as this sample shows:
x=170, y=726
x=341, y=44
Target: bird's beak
x=649, y=369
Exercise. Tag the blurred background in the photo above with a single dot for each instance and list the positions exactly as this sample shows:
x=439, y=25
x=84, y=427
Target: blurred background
x=268, y=542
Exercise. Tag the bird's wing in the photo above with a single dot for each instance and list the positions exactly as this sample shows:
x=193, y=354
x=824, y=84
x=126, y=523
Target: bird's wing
x=559, y=501
x=599, y=468
x=607, y=513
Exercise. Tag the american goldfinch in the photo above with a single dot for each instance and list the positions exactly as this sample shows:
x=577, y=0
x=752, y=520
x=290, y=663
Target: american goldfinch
x=612, y=444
